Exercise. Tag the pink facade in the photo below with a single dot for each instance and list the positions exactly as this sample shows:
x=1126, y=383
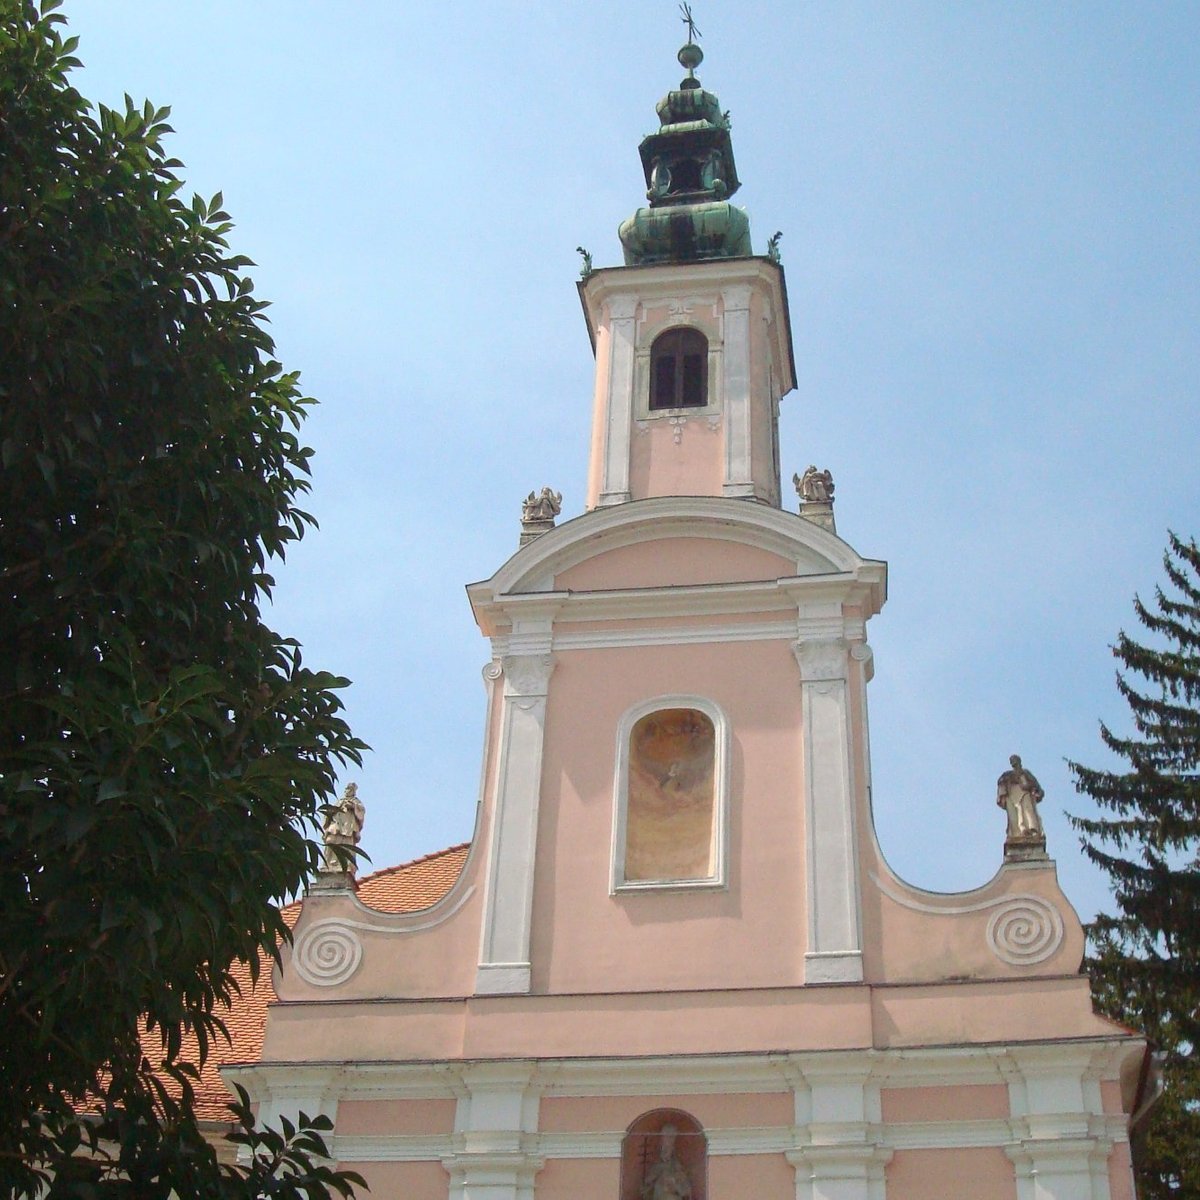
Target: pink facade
x=825, y=1029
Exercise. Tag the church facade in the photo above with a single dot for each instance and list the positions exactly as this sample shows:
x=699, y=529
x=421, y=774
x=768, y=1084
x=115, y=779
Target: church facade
x=674, y=964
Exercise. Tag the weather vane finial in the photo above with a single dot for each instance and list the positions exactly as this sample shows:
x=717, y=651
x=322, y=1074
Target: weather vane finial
x=686, y=17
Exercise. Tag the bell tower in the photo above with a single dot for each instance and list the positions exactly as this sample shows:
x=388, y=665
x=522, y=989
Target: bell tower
x=692, y=337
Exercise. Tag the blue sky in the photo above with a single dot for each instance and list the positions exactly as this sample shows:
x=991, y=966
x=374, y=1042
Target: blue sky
x=991, y=242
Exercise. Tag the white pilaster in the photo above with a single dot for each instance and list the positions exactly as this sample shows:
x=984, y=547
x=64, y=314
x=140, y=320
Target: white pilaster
x=1062, y=1157
x=504, y=950
x=497, y=1110
x=735, y=391
x=618, y=424
x=313, y=1091
x=834, y=952
x=836, y=1156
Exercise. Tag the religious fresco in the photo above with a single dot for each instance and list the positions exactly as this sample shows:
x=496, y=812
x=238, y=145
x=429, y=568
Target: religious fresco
x=670, y=810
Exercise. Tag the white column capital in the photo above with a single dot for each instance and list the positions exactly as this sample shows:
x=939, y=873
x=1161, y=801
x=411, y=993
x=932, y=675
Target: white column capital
x=527, y=676
x=821, y=660
x=736, y=297
x=622, y=308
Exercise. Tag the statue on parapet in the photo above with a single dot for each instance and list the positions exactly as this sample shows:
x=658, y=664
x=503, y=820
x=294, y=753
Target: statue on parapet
x=343, y=827
x=1019, y=793
x=814, y=487
x=538, y=512
x=544, y=506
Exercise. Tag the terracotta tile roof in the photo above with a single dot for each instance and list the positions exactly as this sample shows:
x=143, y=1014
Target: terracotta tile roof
x=405, y=888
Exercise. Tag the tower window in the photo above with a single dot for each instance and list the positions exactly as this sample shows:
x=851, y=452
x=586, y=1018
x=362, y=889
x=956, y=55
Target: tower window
x=679, y=370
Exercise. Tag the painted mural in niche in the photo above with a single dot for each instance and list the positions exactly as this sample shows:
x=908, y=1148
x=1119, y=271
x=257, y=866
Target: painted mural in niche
x=664, y=1157
x=672, y=795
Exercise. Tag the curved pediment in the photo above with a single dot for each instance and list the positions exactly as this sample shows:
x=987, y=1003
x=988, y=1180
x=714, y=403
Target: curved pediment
x=733, y=540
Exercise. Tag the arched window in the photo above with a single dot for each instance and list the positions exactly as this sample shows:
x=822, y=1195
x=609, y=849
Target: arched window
x=664, y=1155
x=669, y=828
x=679, y=370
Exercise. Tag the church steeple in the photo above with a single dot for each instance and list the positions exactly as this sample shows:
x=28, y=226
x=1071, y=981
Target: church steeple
x=690, y=175
x=692, y=338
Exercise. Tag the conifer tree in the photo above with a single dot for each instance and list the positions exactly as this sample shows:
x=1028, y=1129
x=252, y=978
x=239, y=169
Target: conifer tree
x=1144, y=958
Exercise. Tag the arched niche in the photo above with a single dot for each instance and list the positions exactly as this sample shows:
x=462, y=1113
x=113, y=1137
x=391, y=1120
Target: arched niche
x=664, y=1156
x=669, y=829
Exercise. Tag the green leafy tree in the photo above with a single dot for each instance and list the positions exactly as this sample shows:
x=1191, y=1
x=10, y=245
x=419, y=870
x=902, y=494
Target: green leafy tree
x=164, y=756
x=1144, y=959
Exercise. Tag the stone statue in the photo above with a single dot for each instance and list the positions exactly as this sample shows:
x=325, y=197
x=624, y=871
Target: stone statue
x=545, y=506
x=814, y=487
x=343, y=827
x=1019, y=793
x=667, y=1179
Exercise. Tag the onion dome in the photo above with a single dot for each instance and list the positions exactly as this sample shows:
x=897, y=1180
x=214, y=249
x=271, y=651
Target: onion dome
x=690, y=175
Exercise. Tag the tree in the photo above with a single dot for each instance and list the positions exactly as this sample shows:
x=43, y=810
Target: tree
x=164, y=755
x=1144, y=959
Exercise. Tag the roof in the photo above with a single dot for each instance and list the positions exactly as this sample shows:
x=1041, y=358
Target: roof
x=408, y=887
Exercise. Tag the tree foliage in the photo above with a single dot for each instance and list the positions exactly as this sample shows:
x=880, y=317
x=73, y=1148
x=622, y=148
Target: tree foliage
x=1144, y=959
x=164, y=755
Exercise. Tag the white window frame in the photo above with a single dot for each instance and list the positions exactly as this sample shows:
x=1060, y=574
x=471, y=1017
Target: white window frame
x=642, y=376
x=721, y=760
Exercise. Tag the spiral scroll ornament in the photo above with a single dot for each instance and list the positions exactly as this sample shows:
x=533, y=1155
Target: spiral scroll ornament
x=1025, y=931
x=327, y=954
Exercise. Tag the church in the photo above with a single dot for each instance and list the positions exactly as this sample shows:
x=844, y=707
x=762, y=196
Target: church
x=673, y=963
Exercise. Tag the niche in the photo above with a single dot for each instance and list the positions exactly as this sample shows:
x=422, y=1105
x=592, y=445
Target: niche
x=664, y=1156
x=670, y=801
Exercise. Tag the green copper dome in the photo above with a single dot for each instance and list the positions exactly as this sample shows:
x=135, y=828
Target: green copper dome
x=690, y=175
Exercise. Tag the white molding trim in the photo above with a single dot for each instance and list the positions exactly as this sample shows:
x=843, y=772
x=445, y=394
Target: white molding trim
x=998, y=1132
x=721, y=773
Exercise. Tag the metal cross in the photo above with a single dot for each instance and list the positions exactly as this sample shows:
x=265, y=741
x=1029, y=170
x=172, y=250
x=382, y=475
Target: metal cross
x=686, y=18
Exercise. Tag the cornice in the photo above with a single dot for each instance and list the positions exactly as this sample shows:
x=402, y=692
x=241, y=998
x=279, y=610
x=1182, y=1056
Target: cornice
x=823, y=562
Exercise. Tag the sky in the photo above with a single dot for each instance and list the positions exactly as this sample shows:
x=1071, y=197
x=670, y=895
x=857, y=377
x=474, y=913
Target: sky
x=991, y=237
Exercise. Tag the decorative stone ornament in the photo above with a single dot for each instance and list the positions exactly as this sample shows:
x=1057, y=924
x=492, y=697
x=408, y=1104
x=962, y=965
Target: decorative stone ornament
x=342, y=831
x=1019, y=793
x=815, y=489
x=538, y=511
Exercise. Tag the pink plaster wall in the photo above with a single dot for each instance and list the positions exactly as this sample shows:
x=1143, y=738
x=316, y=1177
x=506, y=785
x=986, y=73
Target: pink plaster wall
x=585, y=940
x=661, y=466
x=966, y=1102
x=409, y=1180
x=575, y=1178
x=750, y=1177
x=1110, y=1094
x=982, y=1173
x=502, y=1027
x=573, y=1114
x=948, y=1013
x=1120, y=1173
x=381, y=1117
x=673, y=562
